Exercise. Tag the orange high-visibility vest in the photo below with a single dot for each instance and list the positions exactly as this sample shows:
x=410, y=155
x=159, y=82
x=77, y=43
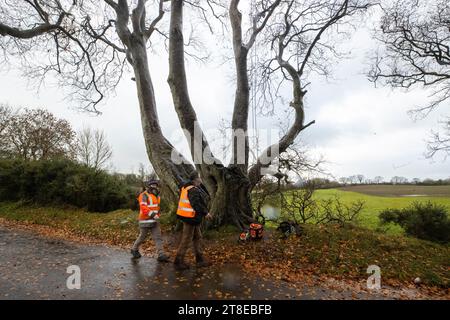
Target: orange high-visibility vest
x=148, y=205
x=184, y=206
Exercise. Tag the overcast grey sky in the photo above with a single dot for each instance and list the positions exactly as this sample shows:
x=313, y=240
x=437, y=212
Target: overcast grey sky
x=359, y=128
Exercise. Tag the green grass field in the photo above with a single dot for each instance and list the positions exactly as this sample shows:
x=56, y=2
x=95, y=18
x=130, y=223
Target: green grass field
x=375, y=204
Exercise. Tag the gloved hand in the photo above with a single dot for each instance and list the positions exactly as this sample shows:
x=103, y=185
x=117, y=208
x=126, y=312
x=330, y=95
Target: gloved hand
x=154, y=215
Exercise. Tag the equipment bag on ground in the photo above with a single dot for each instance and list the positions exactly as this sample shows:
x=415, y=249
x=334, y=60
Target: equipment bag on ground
x=256, y=231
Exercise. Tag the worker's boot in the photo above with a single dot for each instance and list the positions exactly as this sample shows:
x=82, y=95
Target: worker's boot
x=136, y=254
x=162, y=257
x=201, y=261
x=180, y=264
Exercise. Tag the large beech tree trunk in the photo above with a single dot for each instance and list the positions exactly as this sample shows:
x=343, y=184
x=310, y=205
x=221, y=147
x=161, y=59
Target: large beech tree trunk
x=159, y=149
x=231, y=200
x=229, y=186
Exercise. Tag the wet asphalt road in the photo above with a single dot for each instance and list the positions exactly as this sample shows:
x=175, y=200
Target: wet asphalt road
x=35, y=267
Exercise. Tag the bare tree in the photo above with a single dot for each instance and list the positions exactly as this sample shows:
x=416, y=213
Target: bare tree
x=353, y=179
x=146, y=173
x=399, y=180
x=302, y=207
x=415, y=52
x=37, y=135
x=89, y=50
x=378, y=179
x=360, y=178
x=440, y=141
x=343, y=180
x=415, y=180
x=6, y=113
x=142, y=173
x=333, y=210
x=93, y=149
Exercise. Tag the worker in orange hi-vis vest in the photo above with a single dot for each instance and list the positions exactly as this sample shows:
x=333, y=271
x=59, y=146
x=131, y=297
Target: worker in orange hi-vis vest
x=192, y=208
x=149, y=213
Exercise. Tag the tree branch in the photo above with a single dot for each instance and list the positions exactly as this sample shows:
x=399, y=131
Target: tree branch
x=41, y=29
x=149, y=31
x=200, y=150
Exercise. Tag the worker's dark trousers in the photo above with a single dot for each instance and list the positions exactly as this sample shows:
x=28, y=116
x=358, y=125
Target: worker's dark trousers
x=191, y=234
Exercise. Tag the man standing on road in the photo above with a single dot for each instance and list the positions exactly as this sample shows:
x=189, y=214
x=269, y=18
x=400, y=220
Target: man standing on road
x=192, y=208
x=149, y=214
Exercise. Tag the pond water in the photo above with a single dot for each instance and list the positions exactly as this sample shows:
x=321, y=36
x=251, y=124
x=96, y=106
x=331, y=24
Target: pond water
x=413, y=195
x=270, y=213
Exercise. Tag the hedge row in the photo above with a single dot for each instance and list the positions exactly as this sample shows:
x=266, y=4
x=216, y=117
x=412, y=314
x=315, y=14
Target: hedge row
x=63, y=182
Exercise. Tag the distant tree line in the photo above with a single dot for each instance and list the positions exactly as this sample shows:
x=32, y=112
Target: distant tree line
x=329, y=183
x=361, y=179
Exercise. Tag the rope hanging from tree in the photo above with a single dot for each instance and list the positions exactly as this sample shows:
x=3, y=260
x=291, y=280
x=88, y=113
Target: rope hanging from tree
x=254, y=81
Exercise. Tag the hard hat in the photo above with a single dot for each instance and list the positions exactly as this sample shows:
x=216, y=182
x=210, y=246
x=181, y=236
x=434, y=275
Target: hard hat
x=150, y=182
